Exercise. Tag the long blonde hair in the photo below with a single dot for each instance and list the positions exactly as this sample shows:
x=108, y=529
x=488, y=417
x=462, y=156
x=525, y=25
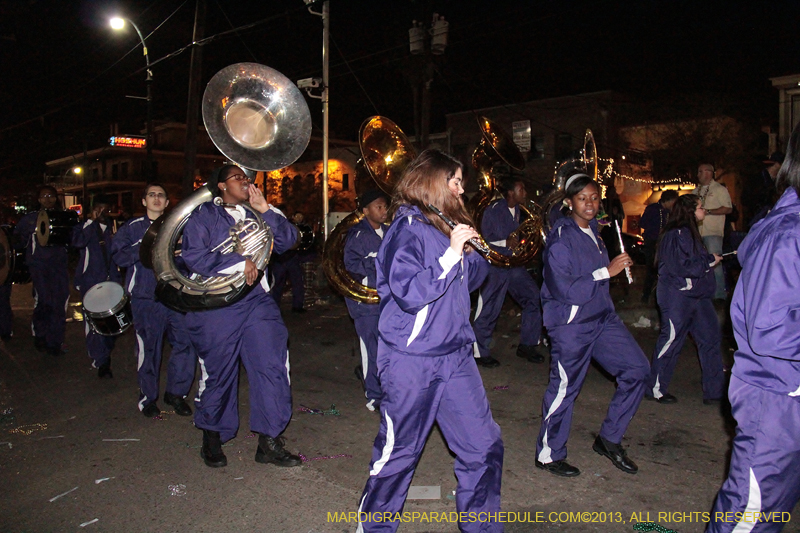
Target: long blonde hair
x=425, y=182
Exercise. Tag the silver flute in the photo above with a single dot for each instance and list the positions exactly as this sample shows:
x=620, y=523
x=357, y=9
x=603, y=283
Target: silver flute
x=622, y=251
x=478, y=245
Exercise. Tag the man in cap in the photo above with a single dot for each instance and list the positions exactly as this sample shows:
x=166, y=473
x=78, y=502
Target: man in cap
x=360, y=251
x=763, y=197
x=499, y=222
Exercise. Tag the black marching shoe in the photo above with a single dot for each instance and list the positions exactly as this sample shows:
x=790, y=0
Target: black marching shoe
x=211, y=452
x=178, y=403
x=6, y=338
x=55, y=351
x=665, y=399
x=40, y=344
x=272, y=451
x=105, y=371
x=559, y=468
x=616, y=454
x=530, y=352
x=150, y=410
x=487, y=362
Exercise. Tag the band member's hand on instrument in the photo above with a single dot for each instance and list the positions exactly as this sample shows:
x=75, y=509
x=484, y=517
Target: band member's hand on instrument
x=257, y=200
x=460, y=235
x=618, y=264
x=717, y=259
x=250, y=272
x=512, y=241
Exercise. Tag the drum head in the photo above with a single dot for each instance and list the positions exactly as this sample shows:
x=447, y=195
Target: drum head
x=6, y=256
x=103, y=297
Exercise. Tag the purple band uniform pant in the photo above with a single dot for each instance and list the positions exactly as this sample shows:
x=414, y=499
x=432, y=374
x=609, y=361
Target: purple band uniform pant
x=290, y=269
x=418, y=391
x=764, y=462
x=367, y=330
x=6, y=315
x=51, y=294
x=99, y=347
x=151, y=321
x=608, y=342
x=525, y=292
x=681, y=315
x=252, y=332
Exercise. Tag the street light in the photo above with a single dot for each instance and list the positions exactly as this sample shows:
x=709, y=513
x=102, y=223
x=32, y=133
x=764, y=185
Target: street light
x=118, y=23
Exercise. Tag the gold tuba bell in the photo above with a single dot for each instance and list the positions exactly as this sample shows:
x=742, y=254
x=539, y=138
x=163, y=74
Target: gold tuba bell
x=385, y=154
x=584, y=160
x=258, y=119
x=497, y=146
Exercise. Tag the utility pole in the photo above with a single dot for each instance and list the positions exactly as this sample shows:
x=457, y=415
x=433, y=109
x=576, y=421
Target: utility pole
x=193, y=105
x=427, y=44
x=326, y=39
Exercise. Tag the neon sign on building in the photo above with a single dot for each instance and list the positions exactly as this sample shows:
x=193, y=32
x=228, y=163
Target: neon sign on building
x=128, y=142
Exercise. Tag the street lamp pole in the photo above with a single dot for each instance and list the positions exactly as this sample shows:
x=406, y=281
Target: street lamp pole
x=118, y=23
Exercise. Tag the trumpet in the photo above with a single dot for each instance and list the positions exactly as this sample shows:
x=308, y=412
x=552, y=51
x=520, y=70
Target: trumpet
x=479, y=245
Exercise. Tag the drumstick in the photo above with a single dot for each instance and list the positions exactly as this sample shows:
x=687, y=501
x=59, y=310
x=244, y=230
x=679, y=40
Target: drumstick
x=622, y=250
x=730, y=253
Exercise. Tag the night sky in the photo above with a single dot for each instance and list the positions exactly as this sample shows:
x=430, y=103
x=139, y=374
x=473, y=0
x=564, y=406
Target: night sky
x=66, y=72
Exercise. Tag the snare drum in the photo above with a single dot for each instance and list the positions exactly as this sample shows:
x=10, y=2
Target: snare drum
x=54, y=228
x=106, y=308
x=12, y=259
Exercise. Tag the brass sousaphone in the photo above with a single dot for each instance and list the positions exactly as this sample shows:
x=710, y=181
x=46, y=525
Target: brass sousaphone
x=497, y=146
x=385, y=152
x=584, y=160
x=259, y=119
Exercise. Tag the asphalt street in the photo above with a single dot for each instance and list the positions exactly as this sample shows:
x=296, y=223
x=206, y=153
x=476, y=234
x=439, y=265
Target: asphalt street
x=77, y=455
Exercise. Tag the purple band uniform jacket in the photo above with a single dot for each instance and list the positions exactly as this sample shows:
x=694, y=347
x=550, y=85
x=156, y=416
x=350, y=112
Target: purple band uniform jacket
x=684, y=265
x=140, y=282
x=94, y=266
x=360, y=252
x=765, y=310
x=420, y=289
x=570, y=294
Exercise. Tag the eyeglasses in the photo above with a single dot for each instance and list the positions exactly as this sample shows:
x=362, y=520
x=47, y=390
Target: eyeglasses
x=239, y=177
x=160, y=195
x=46, y=196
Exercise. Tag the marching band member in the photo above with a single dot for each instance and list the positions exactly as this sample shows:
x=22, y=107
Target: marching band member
x=360, y=251
x=152, y=319
x=765, y=382
x=48, y=268
x=686, y=288
x=425, y=361
x=499, y=220
x=93, y=239
x=580, y=319
x=249, y=331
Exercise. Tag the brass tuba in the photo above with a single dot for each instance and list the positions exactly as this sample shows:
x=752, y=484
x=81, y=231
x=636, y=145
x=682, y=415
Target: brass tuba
x=584, y=160
x=497, y=146
x=385, y=154
x=259, y=119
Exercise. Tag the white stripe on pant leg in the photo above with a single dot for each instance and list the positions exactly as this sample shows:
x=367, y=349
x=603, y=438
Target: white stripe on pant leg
x=288, y=377
x=669, y=341
x=753, y=506
x=139, y=352
x=201, y=385
x=360, y=528
x=657, y=389
x=544, y=455
x=476, y=353
x=479, y=306
x=388, y=446
x=142, y=402
x=364, y=358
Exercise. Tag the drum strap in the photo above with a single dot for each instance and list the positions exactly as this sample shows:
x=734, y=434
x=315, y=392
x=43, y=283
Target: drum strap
x=102, y=240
